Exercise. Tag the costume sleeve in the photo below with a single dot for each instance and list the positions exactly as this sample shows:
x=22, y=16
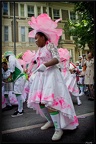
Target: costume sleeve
x=54, y=51
x=12, y=63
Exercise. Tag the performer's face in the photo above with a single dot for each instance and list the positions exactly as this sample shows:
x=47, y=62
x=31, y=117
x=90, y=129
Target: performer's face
x=40, y=40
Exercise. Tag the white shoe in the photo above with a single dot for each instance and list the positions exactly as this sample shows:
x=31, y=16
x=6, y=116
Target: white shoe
x=79, y=102
x=47, y=125
x=57, y=135
x=82, y=93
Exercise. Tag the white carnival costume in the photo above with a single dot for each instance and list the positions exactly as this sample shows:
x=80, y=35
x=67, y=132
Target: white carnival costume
x=8, y=89
x=48, y=85
x=48, y=88
x=18, y=79
x=69, y=78
x=18, y=75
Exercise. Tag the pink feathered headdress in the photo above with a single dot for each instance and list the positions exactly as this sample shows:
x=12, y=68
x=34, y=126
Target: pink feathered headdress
x=28, y=56
x=64, y=54
x=44, y=24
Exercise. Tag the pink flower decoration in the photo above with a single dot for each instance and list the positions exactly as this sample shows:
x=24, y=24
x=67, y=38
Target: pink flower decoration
x=64, y=54
x=43, y=23
x=28, y=56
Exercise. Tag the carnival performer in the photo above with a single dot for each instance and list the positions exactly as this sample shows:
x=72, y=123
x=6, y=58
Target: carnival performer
x=8, y=87
x=28, y=58
x=69, y=78
x=18, y=79
x=48, y=94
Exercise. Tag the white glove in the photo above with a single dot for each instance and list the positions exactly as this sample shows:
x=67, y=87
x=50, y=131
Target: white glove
x=41, y=68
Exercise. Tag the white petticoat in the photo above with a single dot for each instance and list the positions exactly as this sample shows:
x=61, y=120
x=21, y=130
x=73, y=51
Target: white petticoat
x=49, y=88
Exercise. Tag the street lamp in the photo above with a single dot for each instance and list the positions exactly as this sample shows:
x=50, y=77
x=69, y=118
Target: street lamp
x=14, y=29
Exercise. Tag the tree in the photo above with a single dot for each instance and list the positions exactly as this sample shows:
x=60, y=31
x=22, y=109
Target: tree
x=83, y=27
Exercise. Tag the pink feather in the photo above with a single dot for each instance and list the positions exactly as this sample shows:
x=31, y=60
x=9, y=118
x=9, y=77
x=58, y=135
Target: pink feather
x=28, y=56
x=43, y=23
x=64, y=54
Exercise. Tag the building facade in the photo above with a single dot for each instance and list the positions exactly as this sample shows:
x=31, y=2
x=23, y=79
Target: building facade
x=23, y=13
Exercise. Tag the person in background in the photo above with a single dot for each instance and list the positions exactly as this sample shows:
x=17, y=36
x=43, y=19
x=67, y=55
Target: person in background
x=18, y=79
x=89, y=75
x=80, y=63
x=80, y=77
x=77, y=64
x=69, y=78
x=84, y=88
x=7, y=80
x=83, y=59
x=48, y=94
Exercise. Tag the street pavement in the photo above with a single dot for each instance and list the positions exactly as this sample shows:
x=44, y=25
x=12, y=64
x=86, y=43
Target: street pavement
x=26, y=128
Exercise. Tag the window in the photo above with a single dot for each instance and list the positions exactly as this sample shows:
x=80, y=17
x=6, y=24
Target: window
x=5, y=33
x=56, y=14
x=38, y=10
x=72, y=16
x=44, y=10
x=12, y=9
x=5, y=8
x=23, y=34
x=66, y=30
x=31, y=40
x=65, y=15
x=30, y=11
x=16, y=9
x=22, y=9
x=50, y=12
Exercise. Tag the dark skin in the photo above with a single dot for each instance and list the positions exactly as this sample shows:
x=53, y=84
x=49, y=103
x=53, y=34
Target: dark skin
x=7, y=57
x=5, y=68
x=41, y=42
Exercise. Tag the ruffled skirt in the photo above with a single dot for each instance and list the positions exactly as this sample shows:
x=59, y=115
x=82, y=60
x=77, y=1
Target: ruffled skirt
x=49, y=88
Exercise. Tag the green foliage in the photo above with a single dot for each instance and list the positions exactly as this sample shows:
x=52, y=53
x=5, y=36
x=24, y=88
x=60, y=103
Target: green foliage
x=83, y=27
